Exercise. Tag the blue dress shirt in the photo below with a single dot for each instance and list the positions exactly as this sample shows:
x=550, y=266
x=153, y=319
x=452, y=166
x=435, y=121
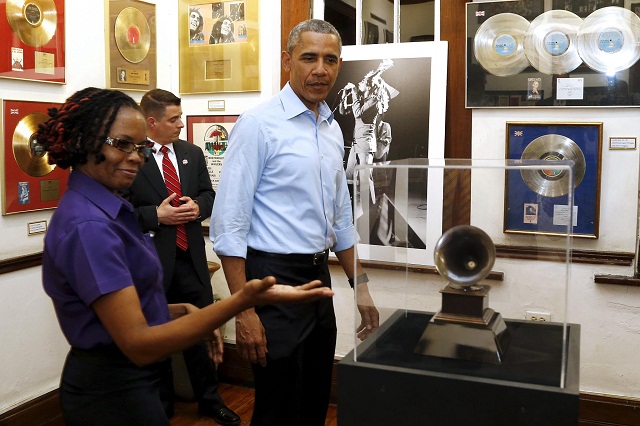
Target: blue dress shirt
x=283, y=187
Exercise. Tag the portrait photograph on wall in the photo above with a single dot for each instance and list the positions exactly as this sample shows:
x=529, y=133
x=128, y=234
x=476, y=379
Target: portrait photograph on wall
x=219, y=46
x=383, y=100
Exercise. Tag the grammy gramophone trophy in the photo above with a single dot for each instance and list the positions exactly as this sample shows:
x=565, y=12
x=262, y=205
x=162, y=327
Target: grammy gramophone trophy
x=465, y=327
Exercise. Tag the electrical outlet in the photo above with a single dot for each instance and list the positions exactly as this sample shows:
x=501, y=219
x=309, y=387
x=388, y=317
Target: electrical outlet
x=538, y=316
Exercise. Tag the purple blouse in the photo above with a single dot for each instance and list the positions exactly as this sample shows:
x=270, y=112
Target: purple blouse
x=93, y=247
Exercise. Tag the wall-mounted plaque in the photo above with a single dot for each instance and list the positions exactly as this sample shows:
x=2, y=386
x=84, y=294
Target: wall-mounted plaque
x=219, y=46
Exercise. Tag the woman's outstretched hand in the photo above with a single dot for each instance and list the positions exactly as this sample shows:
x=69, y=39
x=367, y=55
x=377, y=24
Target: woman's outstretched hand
x=266, y=291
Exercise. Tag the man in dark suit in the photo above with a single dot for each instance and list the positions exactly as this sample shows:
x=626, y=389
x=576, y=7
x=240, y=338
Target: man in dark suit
x=172, y=195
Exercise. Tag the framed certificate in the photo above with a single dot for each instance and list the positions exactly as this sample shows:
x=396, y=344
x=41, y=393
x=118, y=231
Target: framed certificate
x=211, y=133
x=29, y=182
x=33, y=40
x=536, y=200
x=219, y=46
x=131, y=45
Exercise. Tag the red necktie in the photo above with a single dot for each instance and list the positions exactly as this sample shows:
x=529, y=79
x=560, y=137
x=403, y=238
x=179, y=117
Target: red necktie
x=173, y=186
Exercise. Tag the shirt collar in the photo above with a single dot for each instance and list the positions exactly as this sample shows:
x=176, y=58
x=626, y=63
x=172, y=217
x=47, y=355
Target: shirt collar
x=98, y=194
x=293, y=106
x=157, y=146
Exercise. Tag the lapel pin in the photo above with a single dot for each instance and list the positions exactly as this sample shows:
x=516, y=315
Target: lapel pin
x=185, y=162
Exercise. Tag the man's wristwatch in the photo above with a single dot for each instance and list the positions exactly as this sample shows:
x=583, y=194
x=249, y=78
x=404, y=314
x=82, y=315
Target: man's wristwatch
x=362, y=278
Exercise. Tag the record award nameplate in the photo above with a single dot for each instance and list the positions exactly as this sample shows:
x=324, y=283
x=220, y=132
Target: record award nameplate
x=131, y=45
x=29, y=182
x=32, y=34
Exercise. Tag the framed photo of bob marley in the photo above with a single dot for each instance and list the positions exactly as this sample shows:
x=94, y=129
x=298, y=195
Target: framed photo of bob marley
x=219, y=46
x=211, y=134
x=536, y=199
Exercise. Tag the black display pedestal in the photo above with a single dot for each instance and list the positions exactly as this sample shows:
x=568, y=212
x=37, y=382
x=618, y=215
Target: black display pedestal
x=391, y=385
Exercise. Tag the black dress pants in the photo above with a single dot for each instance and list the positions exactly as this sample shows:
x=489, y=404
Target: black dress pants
x=294, y=387
x=186, y=287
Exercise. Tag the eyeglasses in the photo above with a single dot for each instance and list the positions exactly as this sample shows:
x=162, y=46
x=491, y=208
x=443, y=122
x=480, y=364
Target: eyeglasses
x=144, y=150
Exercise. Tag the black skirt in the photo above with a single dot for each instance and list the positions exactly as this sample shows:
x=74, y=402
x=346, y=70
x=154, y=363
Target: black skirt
x=102, y=386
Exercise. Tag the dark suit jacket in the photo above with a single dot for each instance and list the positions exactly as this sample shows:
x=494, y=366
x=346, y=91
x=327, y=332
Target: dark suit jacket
x=148, y=191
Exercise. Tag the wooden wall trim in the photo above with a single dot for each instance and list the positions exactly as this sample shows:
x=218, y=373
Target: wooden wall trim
x=42, y=411
x=20, y=262
x=292, y=12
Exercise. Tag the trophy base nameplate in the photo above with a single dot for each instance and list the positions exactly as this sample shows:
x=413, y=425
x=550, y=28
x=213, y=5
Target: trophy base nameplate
x=465, y=328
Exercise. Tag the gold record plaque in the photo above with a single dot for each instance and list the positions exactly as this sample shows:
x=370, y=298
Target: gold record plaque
x=131, y=48
x=219, y=46
x=33, y=21
x=32, y=39
x=29, y=182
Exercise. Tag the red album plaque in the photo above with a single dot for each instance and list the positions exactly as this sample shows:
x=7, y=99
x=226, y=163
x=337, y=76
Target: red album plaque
x=32, y=34
x=29, y=182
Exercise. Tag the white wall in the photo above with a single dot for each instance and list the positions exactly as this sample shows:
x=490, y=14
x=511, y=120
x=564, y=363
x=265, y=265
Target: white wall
x=33, y=349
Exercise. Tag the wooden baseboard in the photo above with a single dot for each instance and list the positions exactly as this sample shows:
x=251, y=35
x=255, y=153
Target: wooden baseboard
x=42, y=411
x=595, y=410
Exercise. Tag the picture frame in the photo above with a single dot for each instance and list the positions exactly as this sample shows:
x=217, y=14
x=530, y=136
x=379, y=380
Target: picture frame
x=533, y=202
x=211, y=134
x=414, y=77
x=33, y=38
x=131, y=45
x=635, y=8
x=221, y=53
x=29, y=183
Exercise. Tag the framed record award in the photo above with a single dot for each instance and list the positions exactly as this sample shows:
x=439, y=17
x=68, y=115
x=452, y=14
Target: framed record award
x=131, y=45
x=33, y=40
x=219, y=46
x=536, y=200
x=580, y=53
x=29, y=182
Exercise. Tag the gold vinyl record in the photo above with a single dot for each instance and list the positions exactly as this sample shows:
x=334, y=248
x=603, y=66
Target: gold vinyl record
x=29, y=154
x=33, y=21
x=498, y=44
x=553, y=182
x=550, y=42
x=609, y=39
x=133, y=36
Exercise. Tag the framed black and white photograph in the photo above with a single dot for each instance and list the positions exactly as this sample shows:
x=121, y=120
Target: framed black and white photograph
x=389, y=101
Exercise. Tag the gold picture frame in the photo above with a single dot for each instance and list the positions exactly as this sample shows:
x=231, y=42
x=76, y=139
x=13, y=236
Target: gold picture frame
x=131, y=45
x=221, y=53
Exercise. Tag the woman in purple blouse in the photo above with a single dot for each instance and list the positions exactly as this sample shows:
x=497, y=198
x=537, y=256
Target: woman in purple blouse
x=104, y=276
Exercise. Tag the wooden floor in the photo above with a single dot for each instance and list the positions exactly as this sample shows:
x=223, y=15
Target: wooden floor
x=237, y=398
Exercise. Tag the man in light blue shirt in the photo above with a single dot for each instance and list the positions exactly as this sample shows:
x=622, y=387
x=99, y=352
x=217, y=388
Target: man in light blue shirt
x=281, y=204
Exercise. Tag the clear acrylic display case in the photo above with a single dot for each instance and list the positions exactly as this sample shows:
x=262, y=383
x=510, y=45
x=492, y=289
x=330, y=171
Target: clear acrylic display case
x=473, y=323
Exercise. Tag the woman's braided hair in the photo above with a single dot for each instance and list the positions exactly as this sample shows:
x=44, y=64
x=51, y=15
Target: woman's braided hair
x=78, y=128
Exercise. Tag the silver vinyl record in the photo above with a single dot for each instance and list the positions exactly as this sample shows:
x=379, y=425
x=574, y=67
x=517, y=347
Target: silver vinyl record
x=498, y=44
x=609, y=39
x=550, y=42
x=553, y=182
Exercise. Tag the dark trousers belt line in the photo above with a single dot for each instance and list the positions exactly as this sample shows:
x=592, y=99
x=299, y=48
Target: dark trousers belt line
x=319, y=258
